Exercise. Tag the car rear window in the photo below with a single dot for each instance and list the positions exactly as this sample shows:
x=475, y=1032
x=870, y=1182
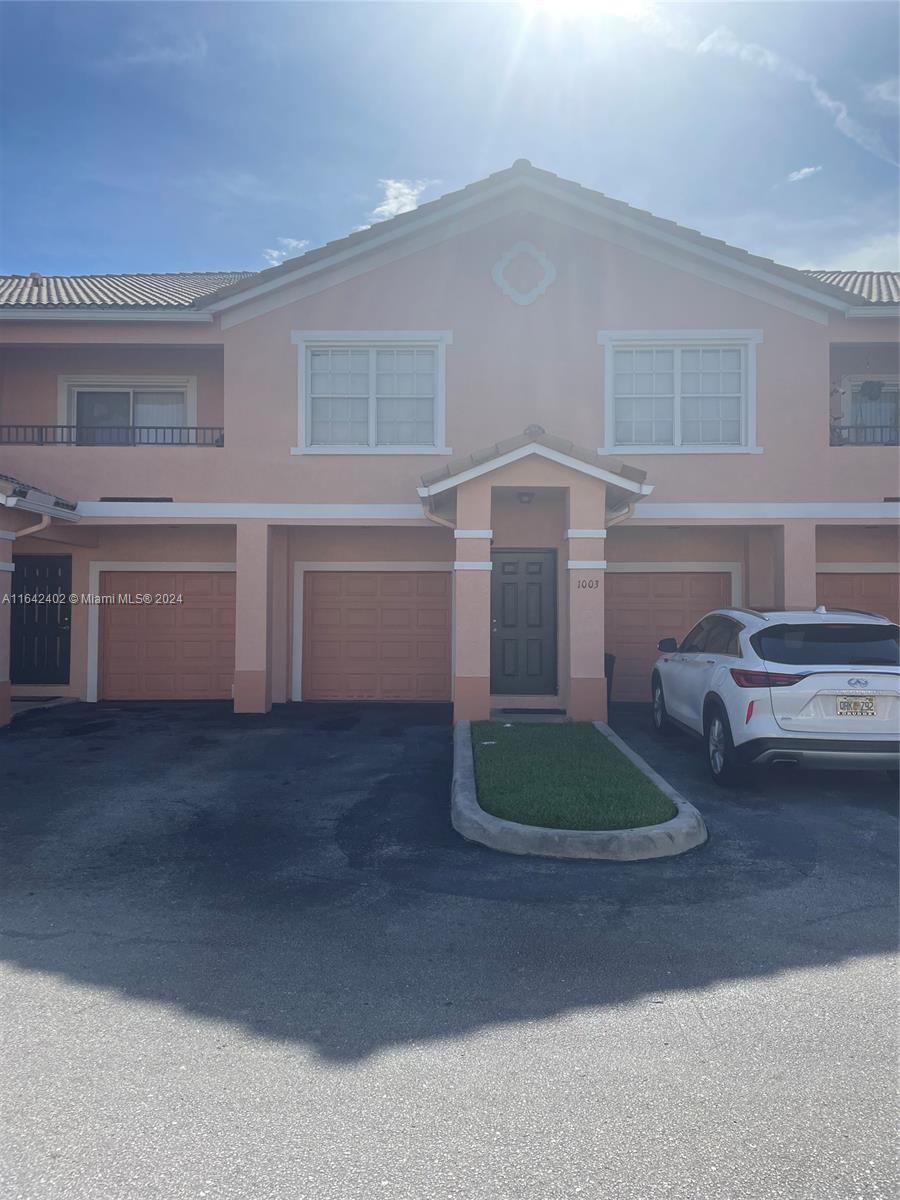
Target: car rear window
x=829, y=645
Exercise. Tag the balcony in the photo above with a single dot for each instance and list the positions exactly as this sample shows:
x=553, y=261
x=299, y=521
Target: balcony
x=865, y=435
x=112, y=435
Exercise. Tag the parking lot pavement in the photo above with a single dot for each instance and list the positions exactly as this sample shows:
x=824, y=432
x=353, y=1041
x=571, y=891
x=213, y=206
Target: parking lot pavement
x=248, y=957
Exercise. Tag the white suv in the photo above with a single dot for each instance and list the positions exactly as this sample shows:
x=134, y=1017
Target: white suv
x=816, y=688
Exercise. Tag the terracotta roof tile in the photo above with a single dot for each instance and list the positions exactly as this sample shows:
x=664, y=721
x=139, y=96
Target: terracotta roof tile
x=487, y=454
x=877, y=287
x=179, y=290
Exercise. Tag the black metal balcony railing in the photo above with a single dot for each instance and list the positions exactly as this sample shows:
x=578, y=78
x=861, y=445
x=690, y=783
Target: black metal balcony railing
x=118, y=435
x=865, y=435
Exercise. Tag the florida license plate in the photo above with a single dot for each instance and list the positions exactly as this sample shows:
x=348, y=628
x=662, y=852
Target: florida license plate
x=856, y=706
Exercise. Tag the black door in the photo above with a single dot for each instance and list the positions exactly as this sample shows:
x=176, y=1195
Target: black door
x=40, y=634
x=523, y=622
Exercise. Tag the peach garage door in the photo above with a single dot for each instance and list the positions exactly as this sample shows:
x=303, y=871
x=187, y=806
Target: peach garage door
x=376, y=635
x=878, y=592
x=643, y=607
x=178, y=651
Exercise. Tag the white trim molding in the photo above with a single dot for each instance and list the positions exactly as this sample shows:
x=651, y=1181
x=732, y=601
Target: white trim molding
x=296, y=631
x=498, y=273
x=67, y=384
x=7, y=535
x=858, y=568
x=734, y=569
x=586, y=564
x=511, y=456
x=95, y=569
x=66, y=313
x=263, y=512
x=473, y=533
x=776, y=510
x=462, y=565
x=745, y=340
x=438, y=340
x=585, y=533
x=7, y=566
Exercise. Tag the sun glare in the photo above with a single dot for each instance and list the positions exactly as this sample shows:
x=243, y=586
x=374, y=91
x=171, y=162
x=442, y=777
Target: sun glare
x=584, y=10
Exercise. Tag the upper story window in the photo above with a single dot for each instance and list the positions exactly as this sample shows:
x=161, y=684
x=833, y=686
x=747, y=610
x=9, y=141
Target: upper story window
x=869, y=411
x=107, y=411
x=669, y=395
x=385, y=396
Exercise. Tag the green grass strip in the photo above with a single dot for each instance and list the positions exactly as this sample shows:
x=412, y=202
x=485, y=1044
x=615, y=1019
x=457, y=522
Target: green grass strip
x=562, y=776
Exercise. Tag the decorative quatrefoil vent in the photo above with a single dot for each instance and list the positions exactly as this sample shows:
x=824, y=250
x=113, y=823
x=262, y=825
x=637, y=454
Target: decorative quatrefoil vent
x=538, y=257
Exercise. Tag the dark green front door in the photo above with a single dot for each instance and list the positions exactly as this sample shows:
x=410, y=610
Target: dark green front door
x=39, y=625
x=523, y=622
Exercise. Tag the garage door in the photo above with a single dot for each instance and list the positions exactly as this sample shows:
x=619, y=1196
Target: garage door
x=168, y=651
x=376, y=635
x=642, y=607
x=879, y=593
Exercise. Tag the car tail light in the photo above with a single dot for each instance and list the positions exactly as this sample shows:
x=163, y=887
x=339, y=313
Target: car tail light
x=749, y=712
x=762, y=679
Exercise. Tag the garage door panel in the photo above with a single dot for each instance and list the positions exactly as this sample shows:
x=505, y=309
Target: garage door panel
x=874, y=591
x=376, y=635
x=642, y=607
x=182, y=651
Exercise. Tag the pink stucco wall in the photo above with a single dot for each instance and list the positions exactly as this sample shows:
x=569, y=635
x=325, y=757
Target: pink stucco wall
x=508, y=366
x=29, y=375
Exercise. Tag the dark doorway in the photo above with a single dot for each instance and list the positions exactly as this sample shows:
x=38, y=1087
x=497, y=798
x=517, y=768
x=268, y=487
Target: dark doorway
x=41, y=618
x=523, y=622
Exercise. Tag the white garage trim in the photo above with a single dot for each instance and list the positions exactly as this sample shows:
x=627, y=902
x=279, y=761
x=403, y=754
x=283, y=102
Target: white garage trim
x=734, y=569
x=95, y=569
x=297, y=607
x=858, y=568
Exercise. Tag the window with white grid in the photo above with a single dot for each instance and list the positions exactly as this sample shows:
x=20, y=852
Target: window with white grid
x=404, y=397
x=338, y=397
x=678, y=396
x=375, y=396
x=645, y=397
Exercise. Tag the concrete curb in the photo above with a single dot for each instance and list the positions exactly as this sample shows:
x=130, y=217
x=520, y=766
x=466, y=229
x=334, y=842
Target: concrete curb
x=685, y=830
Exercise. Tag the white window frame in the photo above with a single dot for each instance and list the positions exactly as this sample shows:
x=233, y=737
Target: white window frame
x=674, y=339
x=306, y=340
x=68, y=385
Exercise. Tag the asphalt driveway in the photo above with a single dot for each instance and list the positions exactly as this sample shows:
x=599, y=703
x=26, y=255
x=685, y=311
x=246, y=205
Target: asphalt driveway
x=248, y=957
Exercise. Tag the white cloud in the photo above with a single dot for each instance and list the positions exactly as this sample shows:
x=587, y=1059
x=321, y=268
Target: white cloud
x=286, y=248
x=145, y=50
x=400, y=196
x=803, y=173
x=884, y=95
x=723, y=42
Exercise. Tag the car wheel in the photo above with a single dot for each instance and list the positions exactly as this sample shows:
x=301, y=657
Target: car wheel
x=720, y=756
x=658, y=713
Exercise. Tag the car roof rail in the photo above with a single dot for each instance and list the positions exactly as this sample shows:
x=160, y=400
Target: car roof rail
x=856, y=612
x=753, y=612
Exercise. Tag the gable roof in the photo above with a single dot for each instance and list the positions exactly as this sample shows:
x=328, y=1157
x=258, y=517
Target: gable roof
x=179, y=290
x=523, y=174
x=875, y=287
x=535, y=440
x=204, y=292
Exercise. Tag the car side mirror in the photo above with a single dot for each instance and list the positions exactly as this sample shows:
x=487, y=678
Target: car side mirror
x=667, y=645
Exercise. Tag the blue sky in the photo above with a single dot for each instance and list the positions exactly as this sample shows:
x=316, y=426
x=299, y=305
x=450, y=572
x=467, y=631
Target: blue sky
x=182, y=136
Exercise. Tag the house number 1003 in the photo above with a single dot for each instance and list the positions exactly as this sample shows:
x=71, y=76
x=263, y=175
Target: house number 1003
x=588, y=583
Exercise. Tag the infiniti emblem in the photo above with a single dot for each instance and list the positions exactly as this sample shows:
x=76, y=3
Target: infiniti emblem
x=858, y=682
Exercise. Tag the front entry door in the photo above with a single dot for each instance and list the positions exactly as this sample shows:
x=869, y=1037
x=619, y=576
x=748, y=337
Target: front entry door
x=523, y=622
x=40, y=628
